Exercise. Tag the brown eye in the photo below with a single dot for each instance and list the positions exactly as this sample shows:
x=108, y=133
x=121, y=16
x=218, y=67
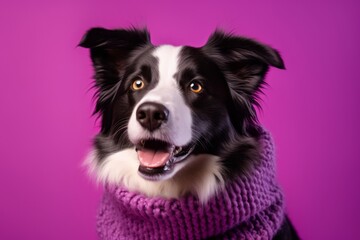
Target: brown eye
x=137, y=85
x=196, y=87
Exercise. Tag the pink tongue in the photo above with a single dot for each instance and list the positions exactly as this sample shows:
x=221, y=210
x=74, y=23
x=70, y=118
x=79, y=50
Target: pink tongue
x=151, y=158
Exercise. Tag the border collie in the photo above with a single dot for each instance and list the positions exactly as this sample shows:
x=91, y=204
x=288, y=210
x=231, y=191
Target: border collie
x=175, y=120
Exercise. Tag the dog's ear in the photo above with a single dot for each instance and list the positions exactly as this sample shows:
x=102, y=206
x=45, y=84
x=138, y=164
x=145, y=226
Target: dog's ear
x=113, y=46
x=245, y=63
x=246, y=59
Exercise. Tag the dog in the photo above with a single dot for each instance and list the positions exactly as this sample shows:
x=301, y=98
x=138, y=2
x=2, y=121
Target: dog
x=178, y=120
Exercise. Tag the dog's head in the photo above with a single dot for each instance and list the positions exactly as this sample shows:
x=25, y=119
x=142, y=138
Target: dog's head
x=163, y=104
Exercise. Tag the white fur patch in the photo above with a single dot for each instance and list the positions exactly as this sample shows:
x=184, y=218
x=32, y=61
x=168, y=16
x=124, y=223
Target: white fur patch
x=200, y=175
x=177, y=129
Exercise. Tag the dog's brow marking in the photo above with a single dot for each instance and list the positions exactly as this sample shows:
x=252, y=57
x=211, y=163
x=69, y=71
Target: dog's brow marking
x=168, y=57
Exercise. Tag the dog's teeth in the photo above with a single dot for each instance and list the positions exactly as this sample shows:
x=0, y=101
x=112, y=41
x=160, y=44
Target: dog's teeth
x=178, y=149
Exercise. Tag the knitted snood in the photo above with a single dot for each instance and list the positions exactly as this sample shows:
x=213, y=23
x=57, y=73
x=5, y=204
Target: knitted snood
x=250, y=207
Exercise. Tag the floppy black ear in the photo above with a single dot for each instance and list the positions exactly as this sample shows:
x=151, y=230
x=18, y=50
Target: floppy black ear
x=123, y=38
x=245, y=63
x=113, y=46
x=246, y=59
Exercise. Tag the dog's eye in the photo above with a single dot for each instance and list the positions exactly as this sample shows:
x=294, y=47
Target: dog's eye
x=196, y=87
x=137, y=85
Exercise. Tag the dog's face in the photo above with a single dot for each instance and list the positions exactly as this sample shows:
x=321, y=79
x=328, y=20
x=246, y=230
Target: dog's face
x=170, y=98
x=162, y=105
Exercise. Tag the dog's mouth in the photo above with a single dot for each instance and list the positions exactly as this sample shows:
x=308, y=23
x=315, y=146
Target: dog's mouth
x=157, y=158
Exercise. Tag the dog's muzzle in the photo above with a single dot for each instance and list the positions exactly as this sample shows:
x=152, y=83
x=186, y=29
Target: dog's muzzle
x=157, y=157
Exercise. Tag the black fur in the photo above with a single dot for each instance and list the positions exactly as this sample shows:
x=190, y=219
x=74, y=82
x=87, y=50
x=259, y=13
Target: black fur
x=286, y=231
x=117, y=55
x=231, y=69
x=111, y=53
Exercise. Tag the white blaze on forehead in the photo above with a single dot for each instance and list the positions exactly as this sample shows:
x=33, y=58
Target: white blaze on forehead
x=166, y=92
x=168, y=57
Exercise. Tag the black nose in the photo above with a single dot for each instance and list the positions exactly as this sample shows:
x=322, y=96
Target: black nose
x=151, y=115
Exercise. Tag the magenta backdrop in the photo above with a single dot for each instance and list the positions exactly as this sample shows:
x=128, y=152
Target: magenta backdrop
x=312, y=108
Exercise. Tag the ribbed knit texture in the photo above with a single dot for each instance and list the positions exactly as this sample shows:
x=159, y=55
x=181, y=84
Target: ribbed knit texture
x=250, y=207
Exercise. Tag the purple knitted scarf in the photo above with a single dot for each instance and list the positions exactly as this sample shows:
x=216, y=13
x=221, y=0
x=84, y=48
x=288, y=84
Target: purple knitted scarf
x=251, y=207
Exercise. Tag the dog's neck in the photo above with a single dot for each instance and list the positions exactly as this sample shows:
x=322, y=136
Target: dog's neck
x=248, y=207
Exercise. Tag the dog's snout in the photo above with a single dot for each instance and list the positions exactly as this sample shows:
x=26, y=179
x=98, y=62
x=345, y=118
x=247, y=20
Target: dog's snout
x=151, y=115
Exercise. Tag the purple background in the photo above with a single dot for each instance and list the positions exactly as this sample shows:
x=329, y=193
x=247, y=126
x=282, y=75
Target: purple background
x=312, y=108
